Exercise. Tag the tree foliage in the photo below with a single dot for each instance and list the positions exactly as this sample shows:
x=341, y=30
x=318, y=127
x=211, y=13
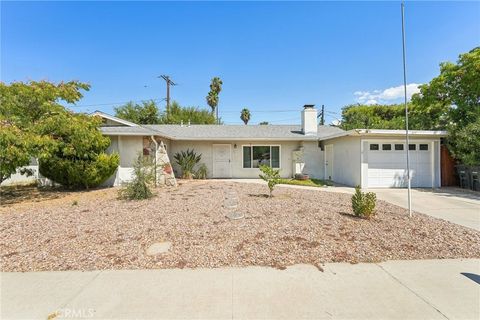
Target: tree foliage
x=271, y=176
x=143, y=113
x=457, y=90
x=148, y=113
x=212, y=97
x=15, y=149
x=23, y=105
x=245, y=115
x=193, y=115
x=78, y=158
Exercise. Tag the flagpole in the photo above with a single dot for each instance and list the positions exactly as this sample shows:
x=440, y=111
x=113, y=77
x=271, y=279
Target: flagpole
x=406, y=112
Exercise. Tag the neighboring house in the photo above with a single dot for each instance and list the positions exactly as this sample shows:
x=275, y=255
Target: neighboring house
x=369, y=158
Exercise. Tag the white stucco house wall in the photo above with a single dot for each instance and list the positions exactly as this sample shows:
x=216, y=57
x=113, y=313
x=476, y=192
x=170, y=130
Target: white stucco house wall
x=369, y=158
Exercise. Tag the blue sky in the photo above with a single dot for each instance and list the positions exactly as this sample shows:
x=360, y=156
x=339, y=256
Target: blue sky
x=273, y=57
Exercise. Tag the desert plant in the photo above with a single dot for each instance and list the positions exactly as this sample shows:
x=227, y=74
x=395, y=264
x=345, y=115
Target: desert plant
x=271, y=176
x=187, y=161
x=245, y=115
x=363, y=203
x=143, y=179
x=201, y=172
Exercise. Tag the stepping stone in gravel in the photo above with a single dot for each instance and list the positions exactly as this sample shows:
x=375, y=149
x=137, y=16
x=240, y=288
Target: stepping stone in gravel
x=158, y=247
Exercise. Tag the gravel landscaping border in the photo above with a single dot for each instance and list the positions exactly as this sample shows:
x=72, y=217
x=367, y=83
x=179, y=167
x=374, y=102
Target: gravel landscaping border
x=95, y=230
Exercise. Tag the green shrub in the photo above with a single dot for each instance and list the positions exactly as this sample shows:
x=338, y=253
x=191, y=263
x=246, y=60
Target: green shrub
x=363, y=204
x=271, y=176
x=187, y=161
x=77, y=158
x=143, y=179
x=201, y=172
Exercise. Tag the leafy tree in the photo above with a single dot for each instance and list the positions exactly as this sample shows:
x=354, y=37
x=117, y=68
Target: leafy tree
x=457, y=90
x=263, y=123
x=179, y=114
x=15, y=149
x=212, y=97
x=245, y=115
x=78, y=158
x=271, y=176
x=23, y=105
x=144, y=113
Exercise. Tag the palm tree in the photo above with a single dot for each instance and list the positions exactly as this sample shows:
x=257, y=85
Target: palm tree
x=212, y=97
x=245, y=115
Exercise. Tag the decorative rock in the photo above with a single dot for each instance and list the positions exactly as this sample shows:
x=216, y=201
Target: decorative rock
x=235, y=215
x=158, y=247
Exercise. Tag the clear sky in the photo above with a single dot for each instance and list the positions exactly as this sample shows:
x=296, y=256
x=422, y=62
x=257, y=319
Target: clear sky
x=273, y=57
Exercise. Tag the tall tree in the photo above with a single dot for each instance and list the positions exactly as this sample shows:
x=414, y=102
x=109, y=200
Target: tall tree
x=457, y=91
x=144, y=113
x=212, y=97
x=245, y=115
x=23, y=106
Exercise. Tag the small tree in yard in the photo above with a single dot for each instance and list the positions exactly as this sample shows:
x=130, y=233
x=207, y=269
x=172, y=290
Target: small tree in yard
x=144, y=177
x=363, y=204
x=271, y=176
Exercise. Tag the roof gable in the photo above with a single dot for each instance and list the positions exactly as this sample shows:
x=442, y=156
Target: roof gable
x=112, y=121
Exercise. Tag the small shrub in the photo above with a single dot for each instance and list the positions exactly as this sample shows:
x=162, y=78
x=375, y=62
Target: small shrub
x=363, y=204
x=201, y=172
x=144, y=177
x=271, y=176
x=187, y=161
x=75, y=203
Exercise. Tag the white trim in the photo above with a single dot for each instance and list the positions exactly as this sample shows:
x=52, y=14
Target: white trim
x=263, y=145
x=113, y=118
x=381, y=132
x=229, y=158
x=326, y=177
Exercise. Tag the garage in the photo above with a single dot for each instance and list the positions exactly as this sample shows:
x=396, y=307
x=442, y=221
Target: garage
x=387, y=164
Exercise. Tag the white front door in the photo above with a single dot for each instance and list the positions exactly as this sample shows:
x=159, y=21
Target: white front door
x=329, y=162
x=221, y=161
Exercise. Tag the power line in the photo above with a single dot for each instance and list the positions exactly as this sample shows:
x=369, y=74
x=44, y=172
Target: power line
x=112, y=103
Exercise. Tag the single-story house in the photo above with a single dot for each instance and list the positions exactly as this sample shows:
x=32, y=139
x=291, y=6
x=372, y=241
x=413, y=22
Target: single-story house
x=365, y=157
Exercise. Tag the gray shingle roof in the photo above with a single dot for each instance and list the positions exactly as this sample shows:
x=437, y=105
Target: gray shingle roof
x=129, y=131
x=223, y=132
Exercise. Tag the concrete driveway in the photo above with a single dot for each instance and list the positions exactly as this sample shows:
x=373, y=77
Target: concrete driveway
x=427, y=289
x=452, y=204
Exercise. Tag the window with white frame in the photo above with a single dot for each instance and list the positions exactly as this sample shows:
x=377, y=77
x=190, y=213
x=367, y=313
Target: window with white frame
x=255, y=156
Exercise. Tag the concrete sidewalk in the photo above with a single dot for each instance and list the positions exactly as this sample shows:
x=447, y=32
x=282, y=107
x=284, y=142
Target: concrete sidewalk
x=433, y=289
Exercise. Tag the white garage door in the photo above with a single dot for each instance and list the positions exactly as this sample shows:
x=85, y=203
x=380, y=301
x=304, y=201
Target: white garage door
x=387, y=164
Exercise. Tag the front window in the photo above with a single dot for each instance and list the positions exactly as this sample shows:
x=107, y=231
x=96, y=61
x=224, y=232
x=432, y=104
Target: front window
x=255, y=156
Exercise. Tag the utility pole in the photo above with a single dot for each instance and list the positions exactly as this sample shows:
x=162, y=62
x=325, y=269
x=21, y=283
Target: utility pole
x=407, y=139
x=169, y=83
x=322, y=116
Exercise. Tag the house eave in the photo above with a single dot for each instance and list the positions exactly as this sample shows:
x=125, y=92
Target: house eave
x=384, y=132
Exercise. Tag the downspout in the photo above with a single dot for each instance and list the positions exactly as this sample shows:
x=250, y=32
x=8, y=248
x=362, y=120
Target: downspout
x=155, y=164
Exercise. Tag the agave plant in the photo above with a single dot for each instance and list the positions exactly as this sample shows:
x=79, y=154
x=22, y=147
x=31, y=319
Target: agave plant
x=187, y=161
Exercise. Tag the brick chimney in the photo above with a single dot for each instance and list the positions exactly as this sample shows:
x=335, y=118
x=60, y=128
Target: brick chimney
x=309, y=120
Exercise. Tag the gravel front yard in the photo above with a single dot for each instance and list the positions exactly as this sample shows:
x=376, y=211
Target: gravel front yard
x=296, y=226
